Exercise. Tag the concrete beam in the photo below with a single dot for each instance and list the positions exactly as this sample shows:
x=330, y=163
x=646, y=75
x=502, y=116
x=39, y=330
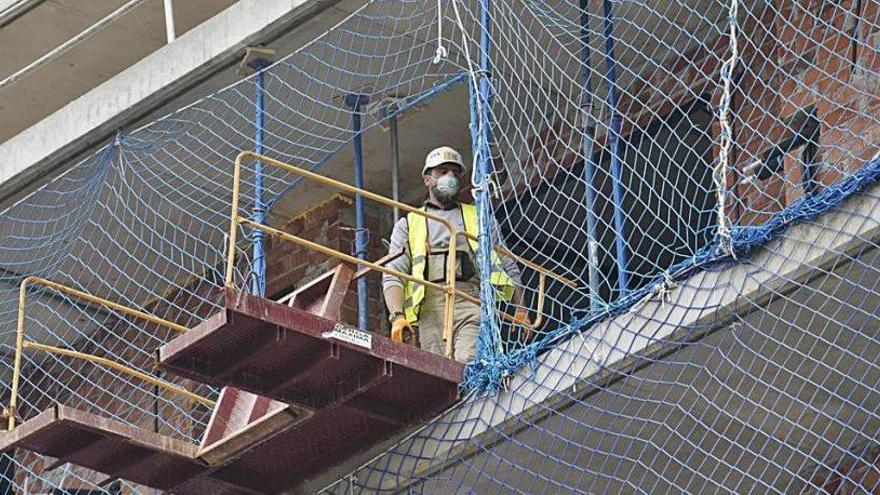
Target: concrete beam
x=653, y=329
x=11, y=10
x=51, y=145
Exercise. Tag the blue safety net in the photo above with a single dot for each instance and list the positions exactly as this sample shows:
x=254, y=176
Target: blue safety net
x=689, y=188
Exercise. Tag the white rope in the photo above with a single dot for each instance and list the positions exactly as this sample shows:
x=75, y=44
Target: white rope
x=665, y=289
x=474, y=78
x=441, y=50
x=720, y=173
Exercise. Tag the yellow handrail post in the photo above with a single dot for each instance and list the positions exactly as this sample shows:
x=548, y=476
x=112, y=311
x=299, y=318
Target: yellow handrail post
x=19, y=345
x=449, y=316
x=233, y=221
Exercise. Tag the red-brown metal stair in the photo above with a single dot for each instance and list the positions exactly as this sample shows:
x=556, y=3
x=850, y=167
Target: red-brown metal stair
x=301, y=393
x=357, y=393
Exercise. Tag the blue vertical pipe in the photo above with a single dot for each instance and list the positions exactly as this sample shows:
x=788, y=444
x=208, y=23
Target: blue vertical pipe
x=488, y=341
x=614, y=145
x=587, y=138
x=355, y=101
x=258, y=283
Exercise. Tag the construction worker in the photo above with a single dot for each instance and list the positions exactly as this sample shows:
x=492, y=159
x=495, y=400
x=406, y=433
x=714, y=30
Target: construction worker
x=416, y=308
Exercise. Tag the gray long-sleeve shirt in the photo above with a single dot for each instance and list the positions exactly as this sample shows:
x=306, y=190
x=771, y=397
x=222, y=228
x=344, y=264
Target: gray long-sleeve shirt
x=438, y=239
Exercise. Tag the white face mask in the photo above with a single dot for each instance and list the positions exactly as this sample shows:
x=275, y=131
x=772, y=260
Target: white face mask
x=446, y=186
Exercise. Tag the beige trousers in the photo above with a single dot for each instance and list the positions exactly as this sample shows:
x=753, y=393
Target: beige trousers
x=465, y=327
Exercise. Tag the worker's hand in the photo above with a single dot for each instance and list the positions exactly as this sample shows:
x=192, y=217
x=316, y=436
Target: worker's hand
x=399, y=327
x=521, y=319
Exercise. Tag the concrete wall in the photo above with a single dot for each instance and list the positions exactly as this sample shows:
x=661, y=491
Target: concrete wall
x=330, y=223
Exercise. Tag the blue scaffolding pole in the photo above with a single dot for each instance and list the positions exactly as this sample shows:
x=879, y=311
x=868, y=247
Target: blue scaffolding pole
x=355, y=102
x=489, y=340
x=258, y=283
x=588, y=125
x=614, y=146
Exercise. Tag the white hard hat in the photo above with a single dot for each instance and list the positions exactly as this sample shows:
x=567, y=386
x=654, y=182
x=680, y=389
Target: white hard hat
x=441, y=155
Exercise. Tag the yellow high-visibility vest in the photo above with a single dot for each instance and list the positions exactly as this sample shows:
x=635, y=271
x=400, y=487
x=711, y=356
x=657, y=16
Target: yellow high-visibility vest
x=418, y=249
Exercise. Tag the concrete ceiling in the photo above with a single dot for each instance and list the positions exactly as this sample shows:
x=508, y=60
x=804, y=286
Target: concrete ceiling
x=532, y=90
x=50, y=23
x=673, y=27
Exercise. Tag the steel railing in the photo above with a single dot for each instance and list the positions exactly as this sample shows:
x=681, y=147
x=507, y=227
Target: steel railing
x=447, y=288
x=21, y=343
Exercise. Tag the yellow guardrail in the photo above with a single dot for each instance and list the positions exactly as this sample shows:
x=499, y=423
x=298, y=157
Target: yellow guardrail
x=21, y=344
x=448, y=288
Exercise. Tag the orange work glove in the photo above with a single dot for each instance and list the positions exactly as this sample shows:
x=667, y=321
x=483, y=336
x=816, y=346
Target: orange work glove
x=521, y=318
x=399, y=327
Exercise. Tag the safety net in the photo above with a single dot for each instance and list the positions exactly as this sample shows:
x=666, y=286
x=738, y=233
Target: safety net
x=690, y=186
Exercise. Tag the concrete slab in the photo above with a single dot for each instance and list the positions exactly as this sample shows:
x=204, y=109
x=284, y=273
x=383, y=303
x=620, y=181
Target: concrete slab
x=143, y=87
x=29, y=29
x=11, y=10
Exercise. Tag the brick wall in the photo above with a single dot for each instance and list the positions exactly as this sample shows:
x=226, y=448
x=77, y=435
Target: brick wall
x=806, y=60
x=791, y=55
x=332, y=224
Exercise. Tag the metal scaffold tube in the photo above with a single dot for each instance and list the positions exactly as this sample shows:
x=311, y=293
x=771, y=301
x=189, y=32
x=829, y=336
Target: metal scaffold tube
x=588, y=124
x=395, y=163
x=489, y=342
x=614, y=145
x=355, y=102
x=258, y=283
